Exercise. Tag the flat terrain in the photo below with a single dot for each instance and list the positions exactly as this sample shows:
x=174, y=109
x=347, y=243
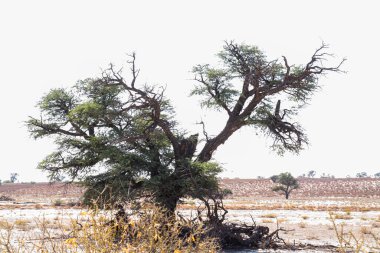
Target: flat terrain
x=307, y=215
x=309, y=187
x=242, y=188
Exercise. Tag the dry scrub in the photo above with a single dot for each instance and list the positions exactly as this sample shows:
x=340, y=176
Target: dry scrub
x=150, y=231
x=366, y=241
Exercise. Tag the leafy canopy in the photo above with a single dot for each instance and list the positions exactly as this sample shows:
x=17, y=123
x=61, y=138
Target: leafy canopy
x=120, y=138
x=286, y=183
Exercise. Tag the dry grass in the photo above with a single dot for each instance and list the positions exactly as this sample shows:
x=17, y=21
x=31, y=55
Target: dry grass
x=312, y=237
x=340, y=216
x=349, y=242
x=22, y=224
x=269, y=215
x=267, y=221
x=302, y=225
x=150, y=231
x=4, y=224
x=365, y=230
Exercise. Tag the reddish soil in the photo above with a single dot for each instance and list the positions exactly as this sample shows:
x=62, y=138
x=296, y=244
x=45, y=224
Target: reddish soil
x=348, y=187
x=40, y=191
x=309, y=187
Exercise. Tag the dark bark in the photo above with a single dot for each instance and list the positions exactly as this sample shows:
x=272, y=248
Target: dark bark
x=212, y=144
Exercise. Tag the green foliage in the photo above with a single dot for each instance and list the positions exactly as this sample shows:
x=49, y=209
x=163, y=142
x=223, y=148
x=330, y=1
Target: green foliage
x=120, y=140
x=219, y=83
x=274, y=178
x=286, y=183
x=58, y=202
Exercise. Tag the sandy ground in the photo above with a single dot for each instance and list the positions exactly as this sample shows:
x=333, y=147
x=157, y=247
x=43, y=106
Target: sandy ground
x=306, y=219
x=303, y=226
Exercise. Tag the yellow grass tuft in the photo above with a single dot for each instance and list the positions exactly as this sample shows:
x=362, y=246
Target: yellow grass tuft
x=267, y=221
x=269, y=215
x=365, y=230
x=302, y=225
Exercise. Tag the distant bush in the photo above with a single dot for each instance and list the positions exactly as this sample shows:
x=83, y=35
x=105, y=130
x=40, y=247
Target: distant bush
x=58, y=202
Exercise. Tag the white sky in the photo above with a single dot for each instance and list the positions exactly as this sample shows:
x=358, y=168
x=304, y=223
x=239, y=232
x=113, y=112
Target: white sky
x=47, y=44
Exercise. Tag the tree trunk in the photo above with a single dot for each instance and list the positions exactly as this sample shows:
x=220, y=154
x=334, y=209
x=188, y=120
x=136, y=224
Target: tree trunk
x=212, y=144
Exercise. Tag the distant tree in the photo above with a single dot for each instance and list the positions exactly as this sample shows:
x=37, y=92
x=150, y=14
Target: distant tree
x=377, y=175
x=13, y=177
x=274, y=178
x=361, y=174
x=260, y=177
x=311, y=173
x=286, y=183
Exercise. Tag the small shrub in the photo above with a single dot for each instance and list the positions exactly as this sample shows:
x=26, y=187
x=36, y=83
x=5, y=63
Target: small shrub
x=58, y=202
x=38, y=206
x=365, y=230
x=4, y=224
x=347, y=210
x=269, y=215
x=340, y=216
x=302, y=225
x=281, y=220
x=22, y=224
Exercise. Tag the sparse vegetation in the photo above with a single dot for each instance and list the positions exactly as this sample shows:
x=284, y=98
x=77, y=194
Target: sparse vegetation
x=342, y=216
x=269, y=215
x=349, y=242
x=58, y=202
x=150, y=231
x=302, y=225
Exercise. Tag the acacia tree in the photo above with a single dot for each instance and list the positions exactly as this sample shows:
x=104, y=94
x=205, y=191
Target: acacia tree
x=361, y=174
x=13, y=177
x=121, y=139
x=286, y=183
x=311, y=173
